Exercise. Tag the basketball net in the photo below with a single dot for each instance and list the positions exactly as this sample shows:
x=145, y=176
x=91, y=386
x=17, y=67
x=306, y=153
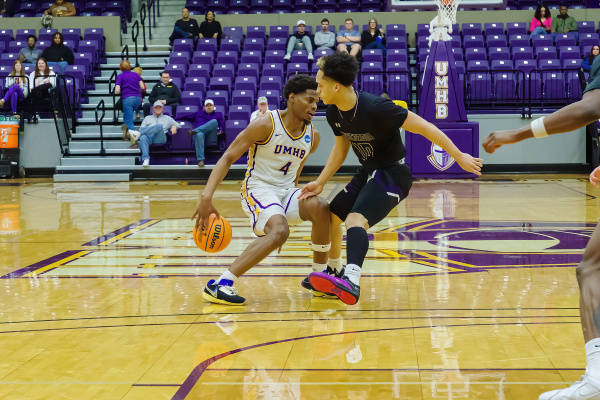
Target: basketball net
x=441, y=26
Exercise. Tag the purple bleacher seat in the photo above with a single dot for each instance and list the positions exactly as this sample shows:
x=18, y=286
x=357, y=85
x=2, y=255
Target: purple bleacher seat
x=545, y=53
x=242, y=97
x=366, y=26
x=207, y=45
x=479, y=87
x=553, y=85
x=187, y=112
x=252, y=57
x=72, y=44
x=423, y=53
x=46, y=34
x=398, y=86
x=422, y=29
x=496, y=41
x=246, y=83
x=570, y=63
x=216, y=5
x=505, y=86
x=521, y=53
x=79, y=72
x=475, y=53
x=90, y=46
x=224, y=70
x=395, y=29
x=371, y=66
x=8, y=59
x=94, y=6
x=273, y=96
x=527, y=66
x=227, y=57
x=176, y=70
x=233, y=44
x=249, y=69
x=498, y=53
x=42, y=45
x=240, y=112
x=478, y=65
x=372, y=83
x=588, y=39
x=396, y=42
x=276, y=43
x=203, y=57
x=220, y=97
x=5, y=38
x=348, y=9
x=254, y=44
x=518, y=41
x=565, y=39
x=494, y=28
x=456, y=42
x=369, y=7
x=70, y=31
x=28, y=6
x=296, y=68
x=256, y=32
x=195, y=5
x=299, y=56
x=7, y=32
x=397, y=55
x=89, y=14
x=321, y=53
x=186, y=45
x=241, y=5
x=573, y=86
x=542, y=41
x=261, y=6
x=233, y=128
x=396, y=66
x=196, y=84
x=568, y=52
x=473, y=41
x=304, y=6
x=232, y=32
x=548, y=63
x=470, y=29
x=271, y=83
x=516, y=28
x=22, y=34
x=223, y=83
x=15, y=47
x=497, y=65
x=325, y=4
x=84, y=59
x=272, y=69
x=586, y=27
x=373, y=55
x=24, y=14
x=279, y=31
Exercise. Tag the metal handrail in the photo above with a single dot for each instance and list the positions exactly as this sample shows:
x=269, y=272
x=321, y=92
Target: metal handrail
x=152, y=9
x=143, y=15
x=100, y=106
x=113, y=78
x=125, y=53
x=135, y=31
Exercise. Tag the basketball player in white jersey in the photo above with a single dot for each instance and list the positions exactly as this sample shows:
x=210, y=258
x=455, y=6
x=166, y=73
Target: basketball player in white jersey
x=278, y=143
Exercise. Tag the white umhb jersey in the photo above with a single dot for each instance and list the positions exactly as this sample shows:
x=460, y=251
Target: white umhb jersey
x=275, y=162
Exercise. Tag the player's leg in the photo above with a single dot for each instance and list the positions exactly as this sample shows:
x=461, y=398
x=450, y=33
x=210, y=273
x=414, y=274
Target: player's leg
x=337, y=235
x=588, y=278
x=316, y=210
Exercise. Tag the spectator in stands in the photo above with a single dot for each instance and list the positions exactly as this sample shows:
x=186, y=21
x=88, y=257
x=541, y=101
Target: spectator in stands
x=17, y=87
x=153, y=130
x=129, y=85
x=262, y=108
x=30, y=54
x=209, y=126
x=119, y=103
x=61, y=8
x=7, y=7
x=541, y=23
x=300, y=40
x=40, y=82
x=58, y=55
x=349, y=39
x=373, y=38
x=185, y=28
x=210, y=28
x=324, y=39
x=164, y=91
x=587, y=62
x=564, y=23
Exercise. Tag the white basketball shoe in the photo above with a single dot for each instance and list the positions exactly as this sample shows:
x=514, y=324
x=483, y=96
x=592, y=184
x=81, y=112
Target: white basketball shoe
x=587, y=388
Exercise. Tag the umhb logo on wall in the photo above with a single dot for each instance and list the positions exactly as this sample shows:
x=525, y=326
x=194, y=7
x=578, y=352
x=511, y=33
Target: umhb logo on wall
x=441, y=89
x=439, y=158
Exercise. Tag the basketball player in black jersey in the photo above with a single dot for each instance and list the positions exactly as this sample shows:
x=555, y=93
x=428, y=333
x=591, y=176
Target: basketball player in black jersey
x=567, y=119
x=371, y=125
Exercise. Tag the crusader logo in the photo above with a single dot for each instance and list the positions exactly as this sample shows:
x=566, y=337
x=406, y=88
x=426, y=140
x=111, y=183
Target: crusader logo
x=439, y=158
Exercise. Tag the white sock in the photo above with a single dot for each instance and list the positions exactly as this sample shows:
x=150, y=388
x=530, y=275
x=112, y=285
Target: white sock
x=592, y=351
x=336, y=263
x=353, y=273
x=227, y=275
x=319, y=267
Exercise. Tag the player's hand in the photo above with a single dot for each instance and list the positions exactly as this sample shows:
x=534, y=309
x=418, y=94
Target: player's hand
x=203, y=212
x=497, y=139
x=310, y=189
x=470, y=163
x=595, y=177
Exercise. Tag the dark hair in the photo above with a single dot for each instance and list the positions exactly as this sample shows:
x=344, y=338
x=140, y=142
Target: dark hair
x=299, y=84
x=538, y=12
x=324, y=20
x=164, y=72
x=340, y=67
x=214, y=15
x=591, y=56
x=34, y=38
x=348, y=19
x=60, y=35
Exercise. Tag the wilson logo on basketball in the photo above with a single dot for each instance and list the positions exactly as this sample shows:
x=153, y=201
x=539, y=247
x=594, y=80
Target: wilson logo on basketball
x=216, y=236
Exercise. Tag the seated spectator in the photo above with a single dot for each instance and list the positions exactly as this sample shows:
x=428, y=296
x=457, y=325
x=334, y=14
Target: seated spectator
x=153, y=130
x=40, y=82
x=349, y=39
x=164, y=91
x=7, y=7
x=564, y=23
x=299, y=41
x=210, y=28
x=30, y=54
x=262, y=108
x=373, y=38
x=58, y=55
x=209, y=126
x=17, y=87
x=185, y=28
x=129, y=85
x=324, y=39
x=587, y=62
x=541, y=23
x=61, y=8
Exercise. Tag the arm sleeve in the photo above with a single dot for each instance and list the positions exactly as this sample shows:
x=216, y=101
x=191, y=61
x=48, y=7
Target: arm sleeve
x=145, y=123
x=173, y=123
x=219, y=29
x=331, y=122
x=69, y=57
x=177, y=95
x=319, y=39
x=52, y=78
x=152, y=98
x=572, y=25
x=44, y=53
x=554, y=23
x=331, y=41
x=31, y=81
x=585, y=64
x=201, y=28
x=363, y=38
x=534, y=24
x=341, y=34
x=389, y=115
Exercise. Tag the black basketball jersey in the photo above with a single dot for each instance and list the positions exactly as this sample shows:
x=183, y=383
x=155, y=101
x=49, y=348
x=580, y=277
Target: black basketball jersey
x=374, y=131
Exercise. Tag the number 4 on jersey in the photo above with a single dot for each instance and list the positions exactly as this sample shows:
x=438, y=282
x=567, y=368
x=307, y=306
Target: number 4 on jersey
x=285, y=168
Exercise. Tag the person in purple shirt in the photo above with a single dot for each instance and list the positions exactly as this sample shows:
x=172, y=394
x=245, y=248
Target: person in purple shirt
x=209, y=125
x=129, y=85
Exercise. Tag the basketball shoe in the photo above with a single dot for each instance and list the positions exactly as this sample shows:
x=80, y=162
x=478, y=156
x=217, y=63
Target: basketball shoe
x=222, y=293
x=587, y=388
x=329, y=271
x=345, y=290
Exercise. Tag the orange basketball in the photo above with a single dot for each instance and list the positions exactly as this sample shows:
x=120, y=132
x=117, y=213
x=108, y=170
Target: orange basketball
x=216, y=237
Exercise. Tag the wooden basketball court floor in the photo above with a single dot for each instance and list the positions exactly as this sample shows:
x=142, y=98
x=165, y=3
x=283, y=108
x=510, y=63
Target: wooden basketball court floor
x=468, y=292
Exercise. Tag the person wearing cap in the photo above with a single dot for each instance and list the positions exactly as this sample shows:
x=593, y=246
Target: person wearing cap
x=349, y=39
x=209, y=126
x=300, y=40
x=164, y=91
x=153, y=130
x=263, y=108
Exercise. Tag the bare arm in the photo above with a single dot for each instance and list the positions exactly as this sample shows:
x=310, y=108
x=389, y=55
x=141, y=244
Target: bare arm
x=117, y=89
x=258, y=131
x=335, y=161
x=567, y=119
x=355, y=39
x=316, y=140
x=416, y=124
